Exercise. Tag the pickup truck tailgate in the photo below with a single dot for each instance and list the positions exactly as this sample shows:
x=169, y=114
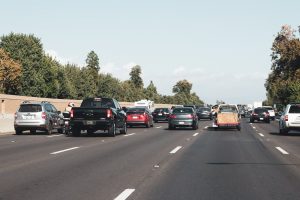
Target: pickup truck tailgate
x=228, y=118
x=89, y=113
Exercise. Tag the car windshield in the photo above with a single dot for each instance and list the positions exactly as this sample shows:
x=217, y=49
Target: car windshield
x=227, y=108
x=182, y=110
x=30, y=108
x=295, y=109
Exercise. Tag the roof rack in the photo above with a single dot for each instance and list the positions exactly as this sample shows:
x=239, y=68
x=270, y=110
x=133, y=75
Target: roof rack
x=26, y=101
x=45, y=102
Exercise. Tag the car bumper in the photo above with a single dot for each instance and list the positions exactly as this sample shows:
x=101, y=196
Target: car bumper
x=181, y=123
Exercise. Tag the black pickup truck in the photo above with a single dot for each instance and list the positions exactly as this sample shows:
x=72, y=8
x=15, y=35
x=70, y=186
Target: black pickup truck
x=98, y=114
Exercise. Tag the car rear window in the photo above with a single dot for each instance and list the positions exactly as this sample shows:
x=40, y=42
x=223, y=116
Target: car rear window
x=183, y=110
x=294, y=109
x=30, y=108
x=161, y=110
x=135, y=110
x=98, y=103
x=204, y=109
x=260, y=110
x=227, y=109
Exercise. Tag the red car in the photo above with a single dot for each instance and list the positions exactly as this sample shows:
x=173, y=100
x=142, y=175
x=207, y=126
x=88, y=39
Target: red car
x=139, y=116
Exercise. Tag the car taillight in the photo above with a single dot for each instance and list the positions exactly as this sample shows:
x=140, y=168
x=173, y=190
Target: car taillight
x=286, y=118
x=190, y=116
x=71, y=113
x=172, y=116
x=44, y=116
x=254, y=114
x=108, y=113
x=267, y=114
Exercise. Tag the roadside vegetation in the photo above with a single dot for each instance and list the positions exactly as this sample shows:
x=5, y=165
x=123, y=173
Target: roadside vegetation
x=283, y=83
x=25, y=69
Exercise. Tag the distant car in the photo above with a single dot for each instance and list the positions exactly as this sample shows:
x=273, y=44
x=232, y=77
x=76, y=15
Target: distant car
x=204, y=113
x=139, y=116
x=227, y=116
x=271, y=111
x=35, y=116
x=161, y=114
x=183, y=117
x=290, y=119
x=190, y=106
x=260, y=114
x=176, y=106
x=242, y=112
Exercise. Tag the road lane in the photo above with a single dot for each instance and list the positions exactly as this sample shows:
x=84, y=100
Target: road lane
x=225, y=164
x=98, y=170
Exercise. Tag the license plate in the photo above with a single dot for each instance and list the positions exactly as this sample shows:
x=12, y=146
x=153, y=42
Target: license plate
x=261, y=118
x=89, y=122
x=181, y=122
x=28, y=117
x=160, y=114
x=134, y=117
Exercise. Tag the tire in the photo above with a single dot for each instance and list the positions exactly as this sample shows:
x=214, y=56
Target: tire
x=148, y=124
x=195, y=127
x=60, y=130
x=112, y=130
x=76, y=132
x=251, y=121
x=155, y=121
x=283, y=131
x=238, y=127
x=124, y=129
x=90, y=132
x=171, y=127
x=268, y=121
x=18, y=132
x=49, y=130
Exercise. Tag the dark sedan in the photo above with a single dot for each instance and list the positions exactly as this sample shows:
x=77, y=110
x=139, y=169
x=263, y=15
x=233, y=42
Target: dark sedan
x=260, y=114
x=183, y=117
x=161, y=114
x=204, y=113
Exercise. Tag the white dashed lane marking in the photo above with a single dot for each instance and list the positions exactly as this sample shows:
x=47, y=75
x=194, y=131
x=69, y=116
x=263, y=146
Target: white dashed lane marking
x=158, y=127
x=175, y=150
x=125, y=194
x=129, y=134
x=61, y=151
x=50, y=136
x=196, y=134
x=282, y=150
x=262, y=135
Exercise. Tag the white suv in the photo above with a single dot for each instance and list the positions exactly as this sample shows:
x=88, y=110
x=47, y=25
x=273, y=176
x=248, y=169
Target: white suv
x=290, y=119
x=271, y=112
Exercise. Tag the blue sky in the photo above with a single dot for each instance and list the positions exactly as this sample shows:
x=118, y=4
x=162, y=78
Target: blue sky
x=222, y=47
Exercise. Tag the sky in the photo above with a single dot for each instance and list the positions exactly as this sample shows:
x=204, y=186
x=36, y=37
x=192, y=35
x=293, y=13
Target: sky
x=222, y=47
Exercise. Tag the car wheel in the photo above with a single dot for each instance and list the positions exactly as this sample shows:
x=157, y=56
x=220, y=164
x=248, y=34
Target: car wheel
x=76, y=132
x=112, y=130
x=238, y=127
x=18, y=132
x=90, y=132
x=171, y=127
x=251, y=121
x=60, y=130
x=155, y=121
x=49, y=129
x=195, y=127
x=268, y=121
x=148, y=124
x=124, y=129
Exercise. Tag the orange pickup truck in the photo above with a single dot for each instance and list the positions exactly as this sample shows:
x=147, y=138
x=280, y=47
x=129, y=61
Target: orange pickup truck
x=227, y=116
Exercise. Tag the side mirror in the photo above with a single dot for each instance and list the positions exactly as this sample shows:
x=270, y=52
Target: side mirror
x=66, y=114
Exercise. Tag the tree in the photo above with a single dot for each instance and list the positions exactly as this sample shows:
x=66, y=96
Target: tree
x=135, y=77
x=10, y=72
x=28, y=51
x=151, y=92
x=182, y=86
x=92, y=62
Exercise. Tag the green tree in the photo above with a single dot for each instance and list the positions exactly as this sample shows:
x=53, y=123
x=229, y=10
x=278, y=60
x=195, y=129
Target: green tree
x=28, y=51
x=92, y=62
x=10, y=72
x=151, y=92
x=135, y=77
x=182, y=86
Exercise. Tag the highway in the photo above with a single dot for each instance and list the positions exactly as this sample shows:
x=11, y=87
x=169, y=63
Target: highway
x=153, y=164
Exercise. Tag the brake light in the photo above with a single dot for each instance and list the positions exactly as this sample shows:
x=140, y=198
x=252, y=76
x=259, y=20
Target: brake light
x=108, y=113
x=44, y=116
x=190, y=116
x=71, y=113
x=172, y=116
x=254, y=114
x=286, y=118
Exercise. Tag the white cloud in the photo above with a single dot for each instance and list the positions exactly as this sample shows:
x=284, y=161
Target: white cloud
x=54, y=55
x=121, y=72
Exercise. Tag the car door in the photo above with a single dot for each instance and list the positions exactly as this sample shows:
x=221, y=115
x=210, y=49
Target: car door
x=121, y=115
x=55, y=117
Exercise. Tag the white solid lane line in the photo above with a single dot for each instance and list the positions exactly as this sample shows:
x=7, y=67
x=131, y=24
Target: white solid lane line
x=50, y=136
x=282, y=150
x=61, y=151
x=175, y=150
x=196, y=134
x=125, y=194
x=129, y=134
x=262, y=135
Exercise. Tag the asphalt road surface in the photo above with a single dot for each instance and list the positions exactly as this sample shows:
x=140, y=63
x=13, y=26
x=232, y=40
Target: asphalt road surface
x=153, y=163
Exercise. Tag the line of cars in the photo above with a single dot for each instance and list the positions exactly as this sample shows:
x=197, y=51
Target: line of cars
x=102, y=114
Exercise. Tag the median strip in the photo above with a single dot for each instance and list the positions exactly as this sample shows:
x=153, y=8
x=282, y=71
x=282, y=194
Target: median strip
x=175, y=150
x=61, y=151
x=282, y=150
x=125, y=194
